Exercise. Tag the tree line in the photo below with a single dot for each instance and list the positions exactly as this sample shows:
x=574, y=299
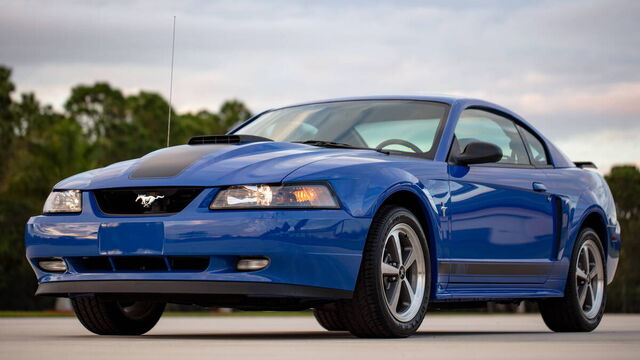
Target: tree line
x=100, y=125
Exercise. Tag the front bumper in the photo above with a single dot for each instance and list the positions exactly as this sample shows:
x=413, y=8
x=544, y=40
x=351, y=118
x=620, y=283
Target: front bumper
x=312, y=253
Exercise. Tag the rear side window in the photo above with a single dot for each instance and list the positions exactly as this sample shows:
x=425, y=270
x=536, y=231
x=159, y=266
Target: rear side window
x=535, y=147
x=478, y=125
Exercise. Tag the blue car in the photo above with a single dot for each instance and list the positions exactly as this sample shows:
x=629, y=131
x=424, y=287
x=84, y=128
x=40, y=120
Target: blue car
x=366, y=210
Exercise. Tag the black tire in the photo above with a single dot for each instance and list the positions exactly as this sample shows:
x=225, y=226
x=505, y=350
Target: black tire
x=113, y=318
x=330, y=320
x=367, y=313
x=566, y=314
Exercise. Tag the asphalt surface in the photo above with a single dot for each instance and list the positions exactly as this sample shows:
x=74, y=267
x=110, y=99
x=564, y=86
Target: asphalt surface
x=440, y=337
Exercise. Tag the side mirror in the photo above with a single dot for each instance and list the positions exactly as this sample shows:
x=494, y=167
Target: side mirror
x=478, y=153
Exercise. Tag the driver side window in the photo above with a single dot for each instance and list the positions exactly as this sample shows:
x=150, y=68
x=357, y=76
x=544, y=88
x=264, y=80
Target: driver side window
x=480, y=125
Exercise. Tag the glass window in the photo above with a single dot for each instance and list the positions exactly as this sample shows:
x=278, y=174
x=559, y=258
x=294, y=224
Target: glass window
x=420, y=132
x=363, y=123
x=479, y=125
x=535, y=147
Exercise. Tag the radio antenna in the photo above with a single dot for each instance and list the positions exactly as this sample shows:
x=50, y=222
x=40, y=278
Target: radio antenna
x=173, y=46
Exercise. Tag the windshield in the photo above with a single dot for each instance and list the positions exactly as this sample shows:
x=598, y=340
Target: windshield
x=399, y=125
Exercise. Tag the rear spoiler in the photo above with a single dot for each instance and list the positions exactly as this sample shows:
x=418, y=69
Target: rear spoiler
x=585, y=165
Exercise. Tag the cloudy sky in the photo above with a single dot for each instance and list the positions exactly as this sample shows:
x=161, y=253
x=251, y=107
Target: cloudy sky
x=572, y=68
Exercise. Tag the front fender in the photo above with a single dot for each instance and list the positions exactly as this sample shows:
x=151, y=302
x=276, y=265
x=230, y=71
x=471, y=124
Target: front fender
x=436, y=229
x=363, y=187
x=362, y=184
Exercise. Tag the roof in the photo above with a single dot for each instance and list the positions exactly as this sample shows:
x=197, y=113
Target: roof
x=443, y=99
x=457, y=104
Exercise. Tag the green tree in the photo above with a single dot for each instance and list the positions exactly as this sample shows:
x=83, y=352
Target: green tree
x=233, y=112
x=624, y=182
x=96, y=108
x=192, y=124
x=119, y=127
x=149, y=111
x=7, y=121
x=100, y=126
x=44, y=148
x=624, y=292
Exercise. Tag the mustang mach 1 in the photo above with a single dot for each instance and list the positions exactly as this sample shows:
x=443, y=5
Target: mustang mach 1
x=366, y=210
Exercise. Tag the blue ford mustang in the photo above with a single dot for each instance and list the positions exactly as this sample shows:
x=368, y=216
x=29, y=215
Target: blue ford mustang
x=364, y=209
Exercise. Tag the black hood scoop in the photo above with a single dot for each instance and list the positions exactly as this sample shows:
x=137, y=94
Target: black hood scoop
x=226, y=139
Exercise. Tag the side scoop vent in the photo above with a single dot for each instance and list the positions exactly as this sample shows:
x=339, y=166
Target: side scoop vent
x=225, y=139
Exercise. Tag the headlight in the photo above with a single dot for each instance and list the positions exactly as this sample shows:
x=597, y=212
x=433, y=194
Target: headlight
x=69, y=201
x=275, y=196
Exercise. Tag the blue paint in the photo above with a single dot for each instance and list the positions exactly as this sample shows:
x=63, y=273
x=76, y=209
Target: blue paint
x=494, y=217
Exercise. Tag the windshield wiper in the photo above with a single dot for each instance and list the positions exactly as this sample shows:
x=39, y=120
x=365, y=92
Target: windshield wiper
x=324, y=143
x=332, y=144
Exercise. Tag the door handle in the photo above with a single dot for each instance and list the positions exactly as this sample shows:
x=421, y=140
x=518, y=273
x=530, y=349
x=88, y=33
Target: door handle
x=539, y=187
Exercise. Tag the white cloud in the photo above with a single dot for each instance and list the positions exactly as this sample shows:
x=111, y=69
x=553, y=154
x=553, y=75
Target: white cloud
x=572, y=68
x=617, y=99
x=605, y=148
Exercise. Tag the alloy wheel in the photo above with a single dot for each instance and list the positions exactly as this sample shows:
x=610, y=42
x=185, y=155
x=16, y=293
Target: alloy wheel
x=589, y=279
x=402, y=272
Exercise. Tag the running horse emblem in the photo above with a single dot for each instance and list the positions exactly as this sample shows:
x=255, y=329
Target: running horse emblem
x=147, y=200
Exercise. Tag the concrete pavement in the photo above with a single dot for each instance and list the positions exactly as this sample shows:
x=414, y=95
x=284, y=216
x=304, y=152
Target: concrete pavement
x=440, y=337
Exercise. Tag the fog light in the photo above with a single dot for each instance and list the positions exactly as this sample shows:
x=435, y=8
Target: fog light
x=53, y=265
x=252, y=264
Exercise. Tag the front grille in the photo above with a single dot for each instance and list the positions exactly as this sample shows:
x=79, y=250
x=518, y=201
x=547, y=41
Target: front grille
x=139, y=263
x=143, y=201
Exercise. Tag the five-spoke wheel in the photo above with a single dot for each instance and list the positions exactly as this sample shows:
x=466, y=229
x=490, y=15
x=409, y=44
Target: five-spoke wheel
x=392, y=291
x=590, y=279
x=582, y=306
x=403, y=272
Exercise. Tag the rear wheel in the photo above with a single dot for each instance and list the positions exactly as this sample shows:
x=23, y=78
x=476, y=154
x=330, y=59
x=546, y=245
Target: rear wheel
x=393, y=286
x=582, y=307
x=117, y=318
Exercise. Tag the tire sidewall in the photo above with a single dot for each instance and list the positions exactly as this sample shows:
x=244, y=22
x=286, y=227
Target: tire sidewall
x=584, y=235
x=391, y=217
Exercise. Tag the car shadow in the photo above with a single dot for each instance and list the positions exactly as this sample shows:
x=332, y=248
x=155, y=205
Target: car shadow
x=314, y=335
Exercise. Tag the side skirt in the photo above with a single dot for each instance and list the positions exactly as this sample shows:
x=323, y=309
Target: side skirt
x=498, y=280
x=495, y=271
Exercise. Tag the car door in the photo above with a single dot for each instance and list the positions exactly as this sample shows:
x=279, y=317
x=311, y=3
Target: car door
x=501, y=216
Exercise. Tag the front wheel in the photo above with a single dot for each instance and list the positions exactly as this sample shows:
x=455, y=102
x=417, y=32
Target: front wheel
x=392, y=291
x=104, y=317
x=330, y=320
x=582, y=307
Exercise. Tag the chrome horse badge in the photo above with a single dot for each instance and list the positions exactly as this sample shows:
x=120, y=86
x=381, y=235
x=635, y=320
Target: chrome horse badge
x=147, y=200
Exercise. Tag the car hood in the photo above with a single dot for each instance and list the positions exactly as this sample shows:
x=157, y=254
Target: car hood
x=210, y=165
